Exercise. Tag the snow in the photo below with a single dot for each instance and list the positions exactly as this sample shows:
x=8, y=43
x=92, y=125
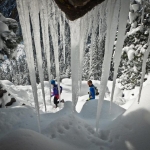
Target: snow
x=132, y=17
x=135, y=7
x=132, y=130
x=72, y=124
x=15, y=92
x=133, y=31
x=88, y=113
x=131, y=54
x=139, y=1
x=62, y=129
x=30, y=140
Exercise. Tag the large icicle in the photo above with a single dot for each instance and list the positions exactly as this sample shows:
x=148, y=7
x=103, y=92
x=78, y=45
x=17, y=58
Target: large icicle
x=83, y=36
x=146, y=54
x=94, y=28
x=90, y=19
x=112, y=22
x=91, y=49
x=64, y=37
x=22, y=7
x=56, y=50
x=60, y=22
x=45, y=33
x=62, y=33
x=124, y=12
x=90, y=24
x=34, y=14
x=75, y=50
x=102, y=21
x=53, y=23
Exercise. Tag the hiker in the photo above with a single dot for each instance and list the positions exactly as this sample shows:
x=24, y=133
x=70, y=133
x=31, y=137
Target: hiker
x=92, y=91
x=56, y=93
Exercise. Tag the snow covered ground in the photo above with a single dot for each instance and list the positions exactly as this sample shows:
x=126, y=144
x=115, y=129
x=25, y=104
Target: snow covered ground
x=61, y=129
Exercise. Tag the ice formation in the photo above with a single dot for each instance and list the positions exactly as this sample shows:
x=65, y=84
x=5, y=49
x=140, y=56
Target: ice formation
x=113, y=8
x=75, y=58
x=25, y=24
x=124, y=11
x=48, y=23
x=44, y=16
x=34, y=14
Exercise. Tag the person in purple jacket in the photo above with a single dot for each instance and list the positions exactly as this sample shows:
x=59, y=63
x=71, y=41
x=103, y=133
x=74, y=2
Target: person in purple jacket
x=55, y=93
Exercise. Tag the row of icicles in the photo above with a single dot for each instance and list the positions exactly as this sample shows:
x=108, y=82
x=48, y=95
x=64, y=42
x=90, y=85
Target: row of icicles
x=110, y=16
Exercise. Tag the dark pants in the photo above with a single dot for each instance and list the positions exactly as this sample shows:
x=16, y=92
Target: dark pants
x=56, y=101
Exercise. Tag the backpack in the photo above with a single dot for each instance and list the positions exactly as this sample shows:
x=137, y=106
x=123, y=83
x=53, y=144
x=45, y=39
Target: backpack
x=96, y=90
x=60, y=89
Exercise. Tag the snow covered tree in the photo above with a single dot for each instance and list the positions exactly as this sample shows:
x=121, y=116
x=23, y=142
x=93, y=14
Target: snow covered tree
x=135, y=45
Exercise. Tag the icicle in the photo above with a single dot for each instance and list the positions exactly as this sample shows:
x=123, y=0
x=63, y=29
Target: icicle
x=83, y=35
x=34, y=14
x=102, y=21
x=91, y=50
x=75, y=50
x=53, y=23
x=25, y=25
x=124, y=12
x=45, y=33
x=94, y=27
x=89, y=32
x=62, y=32
x=146, y=54
x=112, y=22
x=90, y=20
x=64, y=36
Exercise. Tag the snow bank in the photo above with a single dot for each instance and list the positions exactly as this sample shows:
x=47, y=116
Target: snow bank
x=89, y=111
x=29, y=140
x=15, y=118
x=18, y=93
x=75, y=131
x=131, y=131
x=121, y=130
x=25, y=117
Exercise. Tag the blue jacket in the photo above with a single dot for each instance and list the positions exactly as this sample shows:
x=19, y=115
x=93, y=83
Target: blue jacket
x=92, y=92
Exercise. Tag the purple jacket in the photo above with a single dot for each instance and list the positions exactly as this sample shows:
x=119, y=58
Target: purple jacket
x=55, y=91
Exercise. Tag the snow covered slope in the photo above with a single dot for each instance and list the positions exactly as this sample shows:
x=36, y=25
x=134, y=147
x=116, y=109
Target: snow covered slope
x=29, y=140
x=89, y=111
x=121, y=130
x=131, y=131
